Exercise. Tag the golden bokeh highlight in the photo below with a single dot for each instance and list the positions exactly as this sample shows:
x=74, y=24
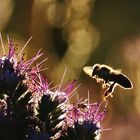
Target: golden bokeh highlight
x=6, y=7
x=82, y=38
x=83, y=41
x=46, y=1
x=81, y=44
x=58, y=14
x=79, y=4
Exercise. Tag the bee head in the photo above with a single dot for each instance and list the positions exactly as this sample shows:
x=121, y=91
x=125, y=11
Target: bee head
x=92, y=71
x=95, y=68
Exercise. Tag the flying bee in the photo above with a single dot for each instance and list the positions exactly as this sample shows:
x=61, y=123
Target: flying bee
x=109, y=77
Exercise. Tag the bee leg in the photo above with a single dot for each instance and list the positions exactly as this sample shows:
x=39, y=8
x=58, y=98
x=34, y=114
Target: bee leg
x=107, y=95
x=104, y=84
x=98, y=80
x=109, y=91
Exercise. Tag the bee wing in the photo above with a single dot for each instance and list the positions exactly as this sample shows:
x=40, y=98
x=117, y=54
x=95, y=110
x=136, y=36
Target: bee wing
x=122, y=80
x=88, y=70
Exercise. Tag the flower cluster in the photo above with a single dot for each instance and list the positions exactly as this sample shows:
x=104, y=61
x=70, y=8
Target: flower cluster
x=30, y=110
x=82, y=121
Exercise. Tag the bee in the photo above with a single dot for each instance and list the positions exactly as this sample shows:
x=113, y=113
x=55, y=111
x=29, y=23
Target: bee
x=109, y=77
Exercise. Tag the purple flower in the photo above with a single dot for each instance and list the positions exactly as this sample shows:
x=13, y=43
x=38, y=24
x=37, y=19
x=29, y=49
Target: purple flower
x=83, y=121
x=13, y=68
x=84, y=112
x=58, y=94
x=29, y=105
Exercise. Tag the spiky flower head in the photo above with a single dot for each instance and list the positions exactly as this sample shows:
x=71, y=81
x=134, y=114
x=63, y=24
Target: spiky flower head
x=83, y=122
x=16, y=106
x=31, y=110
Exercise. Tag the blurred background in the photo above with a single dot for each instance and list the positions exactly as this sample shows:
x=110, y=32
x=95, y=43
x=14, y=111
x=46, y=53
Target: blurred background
x=77, y=33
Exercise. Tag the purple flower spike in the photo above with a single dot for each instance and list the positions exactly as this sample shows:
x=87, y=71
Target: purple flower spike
x=83, y=121
x=12, y=49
